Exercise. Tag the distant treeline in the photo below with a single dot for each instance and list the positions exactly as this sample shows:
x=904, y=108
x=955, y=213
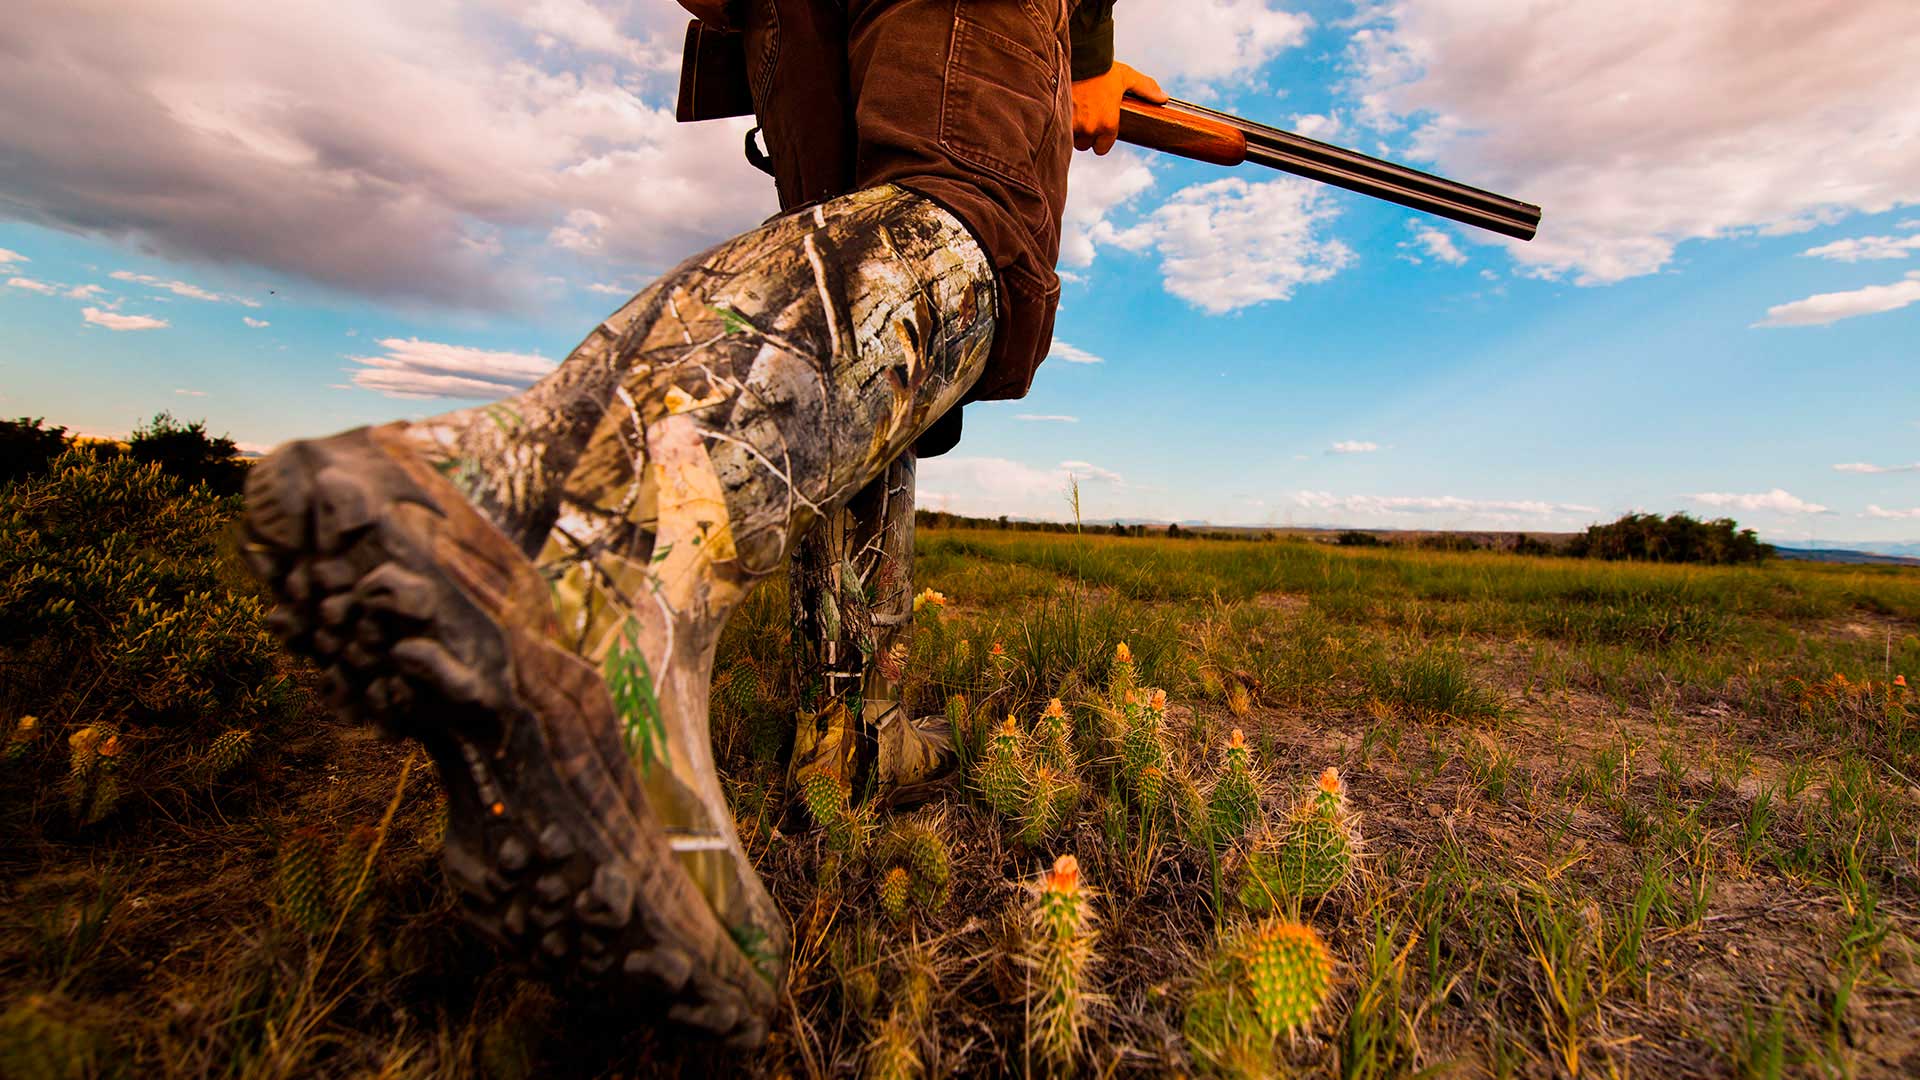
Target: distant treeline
x=181, y=449
x=1677, y=537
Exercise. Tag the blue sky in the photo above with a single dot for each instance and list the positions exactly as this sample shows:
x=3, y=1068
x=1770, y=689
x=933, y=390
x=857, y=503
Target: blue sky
x=282, y=225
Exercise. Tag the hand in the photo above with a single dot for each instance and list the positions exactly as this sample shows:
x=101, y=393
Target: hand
x=711, y=12
x=1096, y=105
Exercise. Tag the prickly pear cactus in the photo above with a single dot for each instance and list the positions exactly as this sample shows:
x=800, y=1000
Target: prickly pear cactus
x=743, y=689
x=1263, y=981
x=825, y=797
x=1234, y=803
x=895, y=890
x=1060, y=956
x=353, y=870
x=227, y=752
x=1120, y=679
x=302, y=879
x=1002, y=777
x=1051, y=797
x=1053, y=738
x=1143, y=741
x=1288, y=971
x=1149, y=791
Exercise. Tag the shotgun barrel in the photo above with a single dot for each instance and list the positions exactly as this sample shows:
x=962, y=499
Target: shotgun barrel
x=1195, y=131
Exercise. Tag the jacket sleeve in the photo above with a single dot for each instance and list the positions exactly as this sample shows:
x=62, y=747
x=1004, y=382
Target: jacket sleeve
x=1092, y=37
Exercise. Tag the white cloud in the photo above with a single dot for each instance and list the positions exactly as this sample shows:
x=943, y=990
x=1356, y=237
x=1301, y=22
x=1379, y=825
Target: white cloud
x=1640, y=124
x=1864, y=467
x=1777, y=501
x=31, y=285
x=1097, y=186
x=1854, y=249
x=1823, y=308
x=1088, y=472
x=1437, y=245
x=1228, y=244
x=115, y=321
x=1353, y=446
x=992, y=485
x=191, y=393
x=85, y=292
x=1072, y=354
x=1435, y=504
x=181, y=288
x=149, y=127
x=411, y=368
x=1047, y=418
x=1317, y=126
x=253, y=322
x=1193, y=43
x=609, y=288
x=7, y=257
x=1881, y=512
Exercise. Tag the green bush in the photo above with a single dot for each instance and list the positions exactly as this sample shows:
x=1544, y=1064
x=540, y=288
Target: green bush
x=1674, y=538
x=116, y=614
x=188, y=452
x=26, y=447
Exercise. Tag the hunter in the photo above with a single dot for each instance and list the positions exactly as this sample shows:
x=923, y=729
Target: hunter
x=534, y=589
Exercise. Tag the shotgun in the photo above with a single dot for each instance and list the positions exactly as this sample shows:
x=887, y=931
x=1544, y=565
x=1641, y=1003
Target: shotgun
x=1203, y=134
x=713, y=84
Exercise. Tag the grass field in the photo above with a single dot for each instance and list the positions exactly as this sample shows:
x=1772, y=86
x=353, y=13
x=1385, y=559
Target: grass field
x=1603, y=818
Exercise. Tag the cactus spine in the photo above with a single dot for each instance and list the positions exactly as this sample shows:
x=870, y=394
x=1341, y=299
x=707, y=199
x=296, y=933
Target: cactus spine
x=895, y=889
x=915, y=869
x=1059, y=958
x=1051, y=797
x=1053, y=739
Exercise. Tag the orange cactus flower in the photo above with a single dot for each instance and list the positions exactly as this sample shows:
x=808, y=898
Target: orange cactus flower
x=997, y=650
x=1330, y=780
x=1900, y=681
x=1122, y=654
x=1157, y=701
x=1009, y=726
x=929, y=596
x=1237, y=740
x=1055, y=710
x=1065, y=875
x=111, y=747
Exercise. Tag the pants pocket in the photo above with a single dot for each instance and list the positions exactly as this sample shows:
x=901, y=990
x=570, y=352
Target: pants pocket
x=1003, y=90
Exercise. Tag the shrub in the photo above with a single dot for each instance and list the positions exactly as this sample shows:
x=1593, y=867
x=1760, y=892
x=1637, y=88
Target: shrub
x=1676, y=538
x=188, y=452
x=114, y=614
x=26, y=447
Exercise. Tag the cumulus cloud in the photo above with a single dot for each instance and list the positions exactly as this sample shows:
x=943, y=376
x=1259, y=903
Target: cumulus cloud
x=1229, y=244
x=1873, y=511
x=1401, y=505
x=1437, y=245
x=1191, y=44
x=1047, y=418
x=1823, y=308
x=294, y=154
x=1777, y=501
x=191, y=393
x=113, y=320
x=1072, y=354
x=1640, y=124
x=1854, y=249
x=995, y=485
x=31, y=285
x=1353, y=446
x=1864, y=467
x=411, y=368
x=1097, y=187
x=7, y=257
x=85, y=292
x=253, y=322
x=1317, y=126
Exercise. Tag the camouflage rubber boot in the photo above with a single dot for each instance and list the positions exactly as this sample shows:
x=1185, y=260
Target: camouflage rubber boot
x=851, y=590
x=535, y=589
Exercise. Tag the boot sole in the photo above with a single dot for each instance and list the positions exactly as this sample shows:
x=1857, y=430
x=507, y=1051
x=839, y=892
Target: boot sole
x=429, y=623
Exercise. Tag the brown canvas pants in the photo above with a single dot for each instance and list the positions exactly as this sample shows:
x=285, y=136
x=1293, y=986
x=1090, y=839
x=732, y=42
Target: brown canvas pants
x=966, y=102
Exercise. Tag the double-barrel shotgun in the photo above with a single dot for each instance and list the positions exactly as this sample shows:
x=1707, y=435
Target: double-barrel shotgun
x=713, y=84
x=1203, y=134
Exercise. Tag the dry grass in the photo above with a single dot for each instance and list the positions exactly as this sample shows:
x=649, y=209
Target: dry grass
x=1613, y=819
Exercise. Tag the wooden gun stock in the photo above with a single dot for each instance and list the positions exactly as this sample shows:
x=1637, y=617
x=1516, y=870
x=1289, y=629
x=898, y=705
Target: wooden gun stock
x=1200, y=133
